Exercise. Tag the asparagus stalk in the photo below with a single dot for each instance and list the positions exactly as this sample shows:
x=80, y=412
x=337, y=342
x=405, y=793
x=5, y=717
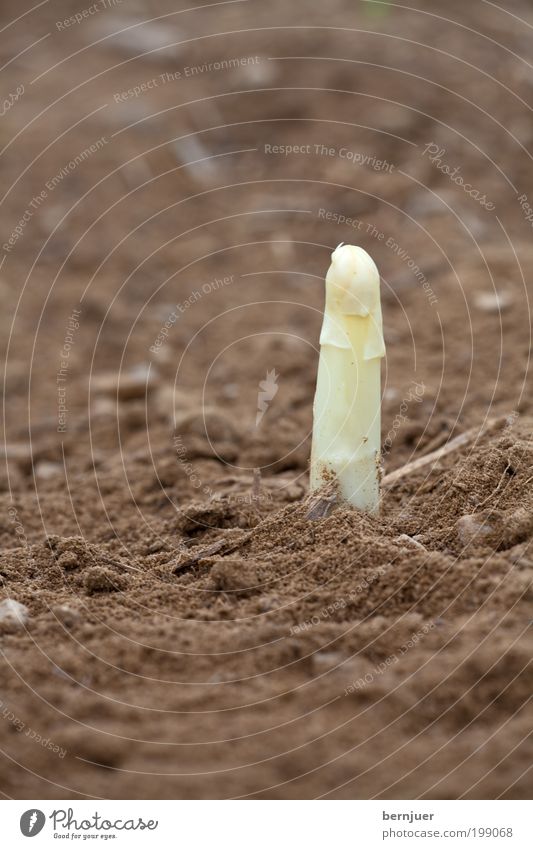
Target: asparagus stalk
x=347, y=407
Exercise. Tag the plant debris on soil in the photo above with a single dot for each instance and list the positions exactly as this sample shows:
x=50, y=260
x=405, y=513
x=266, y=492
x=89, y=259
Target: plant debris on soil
x=179, y=618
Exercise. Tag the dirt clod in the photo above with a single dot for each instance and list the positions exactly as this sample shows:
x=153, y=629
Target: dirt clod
x=235, y=576
x=99, y=579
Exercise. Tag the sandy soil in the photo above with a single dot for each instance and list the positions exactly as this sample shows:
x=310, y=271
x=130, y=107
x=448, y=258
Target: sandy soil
x=171, y=194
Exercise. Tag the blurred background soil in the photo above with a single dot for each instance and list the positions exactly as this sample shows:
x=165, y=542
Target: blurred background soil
x=175, y=178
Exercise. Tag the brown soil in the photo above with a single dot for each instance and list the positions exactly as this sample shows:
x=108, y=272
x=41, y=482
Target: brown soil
x=190, y=631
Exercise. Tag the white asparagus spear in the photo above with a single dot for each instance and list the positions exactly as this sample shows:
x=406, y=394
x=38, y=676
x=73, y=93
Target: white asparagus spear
x=347, y=406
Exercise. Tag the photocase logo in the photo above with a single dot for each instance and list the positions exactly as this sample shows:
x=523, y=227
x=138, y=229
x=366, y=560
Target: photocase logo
x=267, y=392
x=32, y=822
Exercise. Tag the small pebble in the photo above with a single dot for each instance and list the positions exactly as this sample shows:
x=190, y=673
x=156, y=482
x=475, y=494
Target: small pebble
x=130, y=384
x=155, y=547
x=13, y=615
x=327, y=659
x=292, y=493
x=67, y=615
x=46, y=470
x=103, y=407
x=146, y=40
x=472, y=527
x=405, y=538
x=19, y=454
x=493, y=302
x=230, y=390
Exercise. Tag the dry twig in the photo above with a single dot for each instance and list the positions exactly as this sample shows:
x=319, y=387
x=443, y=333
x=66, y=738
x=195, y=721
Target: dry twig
x=466, y=438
